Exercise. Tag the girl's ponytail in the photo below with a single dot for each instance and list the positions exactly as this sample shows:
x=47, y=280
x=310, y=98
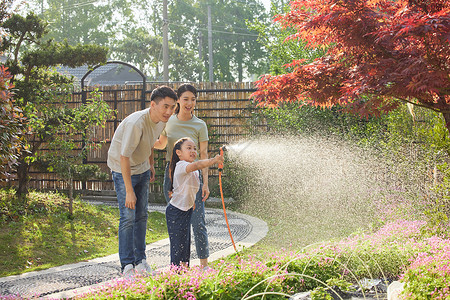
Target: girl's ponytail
x=174, y=159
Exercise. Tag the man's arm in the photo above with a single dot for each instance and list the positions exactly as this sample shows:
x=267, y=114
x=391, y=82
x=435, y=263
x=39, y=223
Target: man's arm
x=151, y=160
x=130, y=200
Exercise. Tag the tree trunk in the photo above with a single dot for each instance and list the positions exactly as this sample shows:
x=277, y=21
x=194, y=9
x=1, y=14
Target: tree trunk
x=447, y=122
x=71, y=197
x=239, y=55
x=23, y=179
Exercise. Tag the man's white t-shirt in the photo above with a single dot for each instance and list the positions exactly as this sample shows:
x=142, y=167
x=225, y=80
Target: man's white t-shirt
x=134, y=138
x=185, y=186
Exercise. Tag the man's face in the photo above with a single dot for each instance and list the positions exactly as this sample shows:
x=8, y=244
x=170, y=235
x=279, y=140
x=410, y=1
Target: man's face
x=161, y=112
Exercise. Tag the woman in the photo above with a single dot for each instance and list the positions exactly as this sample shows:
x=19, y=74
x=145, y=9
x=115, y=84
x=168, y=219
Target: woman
x=183, y=123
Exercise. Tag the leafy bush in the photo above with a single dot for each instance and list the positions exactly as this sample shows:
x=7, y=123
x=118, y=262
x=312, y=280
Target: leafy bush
x=428, y=277
x=11, y=127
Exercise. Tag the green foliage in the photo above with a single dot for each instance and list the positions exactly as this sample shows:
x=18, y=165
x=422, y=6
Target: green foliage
x=280, y=50
x=437, y=212
x=84, y=22
x=333, y=284
x=317, y=268
x=133, y=31
x=11, y=129
x=293, y=118
x=70, y=126
x=237, y=53
x=5, y=6
x=42, y=94
x=411, y=141
x=238, y=180
x=342, y=284
x=427, y=281
x=320, y=293
x=144, y=50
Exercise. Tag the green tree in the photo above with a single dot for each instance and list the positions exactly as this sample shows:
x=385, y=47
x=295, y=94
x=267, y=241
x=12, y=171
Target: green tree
x=237, y=53
x=11, y=117
x=145, y=51
x=41, y=93
x=81, y=21
x=5, y=6
x=11, y=128
x=281, y=51
x=61, y=156
x=379, y=54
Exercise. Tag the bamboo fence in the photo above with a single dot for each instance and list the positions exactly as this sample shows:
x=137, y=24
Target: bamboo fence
x=225, y=107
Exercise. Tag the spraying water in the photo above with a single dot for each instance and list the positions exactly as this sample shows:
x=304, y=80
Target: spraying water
x=309, y=189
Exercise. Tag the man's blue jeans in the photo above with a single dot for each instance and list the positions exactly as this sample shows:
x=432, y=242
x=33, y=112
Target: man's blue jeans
x=133, y=222
x=198, y=221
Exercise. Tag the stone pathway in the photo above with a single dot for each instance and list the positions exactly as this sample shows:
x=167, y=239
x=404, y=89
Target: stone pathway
x=66, y=281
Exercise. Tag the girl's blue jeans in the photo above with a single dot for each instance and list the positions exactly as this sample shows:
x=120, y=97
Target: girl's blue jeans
x=178, y=226
x=198, y=221
x=133, y=222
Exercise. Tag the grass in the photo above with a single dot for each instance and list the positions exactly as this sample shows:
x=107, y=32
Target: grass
x=41, y=235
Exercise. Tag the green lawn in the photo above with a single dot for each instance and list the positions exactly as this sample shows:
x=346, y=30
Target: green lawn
x=40, y=235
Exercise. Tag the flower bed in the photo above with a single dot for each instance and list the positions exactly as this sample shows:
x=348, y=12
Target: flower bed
x=396, y=250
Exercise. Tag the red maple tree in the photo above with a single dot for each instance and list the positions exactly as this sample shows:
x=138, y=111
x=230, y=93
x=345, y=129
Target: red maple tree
x=380, y=53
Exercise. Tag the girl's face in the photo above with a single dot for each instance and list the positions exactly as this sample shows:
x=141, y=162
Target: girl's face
x=188, y=151
x=187, y=102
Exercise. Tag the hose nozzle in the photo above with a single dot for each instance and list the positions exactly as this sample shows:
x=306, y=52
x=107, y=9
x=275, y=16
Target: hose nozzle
x=221, y=150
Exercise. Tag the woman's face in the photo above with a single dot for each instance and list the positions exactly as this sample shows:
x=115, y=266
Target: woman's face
x=188, y=151
x=187, y=102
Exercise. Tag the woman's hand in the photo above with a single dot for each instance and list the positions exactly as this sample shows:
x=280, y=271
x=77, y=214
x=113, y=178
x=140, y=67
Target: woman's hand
x=205, y=192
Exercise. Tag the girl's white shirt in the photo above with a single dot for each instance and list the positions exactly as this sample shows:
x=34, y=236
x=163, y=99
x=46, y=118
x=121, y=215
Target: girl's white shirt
x=185, y=186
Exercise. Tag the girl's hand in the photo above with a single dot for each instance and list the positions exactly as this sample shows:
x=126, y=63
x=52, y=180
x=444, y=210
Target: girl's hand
x=219, y=159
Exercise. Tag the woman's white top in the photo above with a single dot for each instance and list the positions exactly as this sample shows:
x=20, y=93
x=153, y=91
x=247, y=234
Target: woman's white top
x=185, y=186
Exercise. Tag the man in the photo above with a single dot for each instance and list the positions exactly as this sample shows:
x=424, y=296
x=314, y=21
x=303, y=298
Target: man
x=130, y=158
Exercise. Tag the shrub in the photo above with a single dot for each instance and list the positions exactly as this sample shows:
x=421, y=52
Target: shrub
x=11, y=127
x=428, y=277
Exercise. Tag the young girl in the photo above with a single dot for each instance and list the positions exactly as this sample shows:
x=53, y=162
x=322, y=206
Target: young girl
x=185, y=184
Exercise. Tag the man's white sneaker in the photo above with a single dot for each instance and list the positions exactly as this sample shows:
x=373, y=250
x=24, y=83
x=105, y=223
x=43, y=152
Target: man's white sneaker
x=128, y=271
x=144, y=268
x=206, y=269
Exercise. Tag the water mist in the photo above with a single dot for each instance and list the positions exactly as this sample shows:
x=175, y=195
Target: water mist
x=309, y=189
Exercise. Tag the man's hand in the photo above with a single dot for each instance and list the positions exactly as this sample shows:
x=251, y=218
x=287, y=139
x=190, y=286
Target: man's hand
x=152, y=173
x=130, y=200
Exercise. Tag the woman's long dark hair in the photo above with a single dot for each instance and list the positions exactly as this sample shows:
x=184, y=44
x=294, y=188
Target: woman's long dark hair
x=184, y=88
x=175, y=159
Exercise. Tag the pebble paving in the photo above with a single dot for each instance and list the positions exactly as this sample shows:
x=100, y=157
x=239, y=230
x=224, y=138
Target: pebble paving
x=55, y=280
